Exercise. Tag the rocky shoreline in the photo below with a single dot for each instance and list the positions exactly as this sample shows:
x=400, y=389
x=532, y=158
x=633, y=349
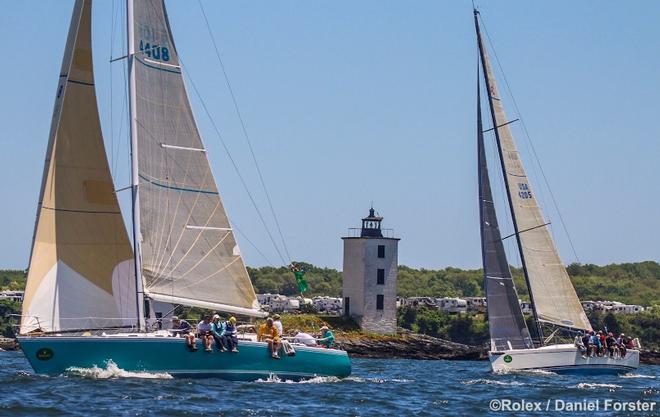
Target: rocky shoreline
x=409, y=346
x=7, y=343
x=418, y=346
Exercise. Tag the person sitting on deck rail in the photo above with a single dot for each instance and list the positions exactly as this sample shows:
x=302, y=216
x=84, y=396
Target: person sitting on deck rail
x=268, y=333
x=603, y=345
x=593, y=344
x=621, y=344
x=327, y=338
x=304, y=338
x=218, y=333
x=230, y=337
x=579, y=343
x=610, y=341
x=585, y=342
x=184, y=328
x=278, y=323
x=204, y=332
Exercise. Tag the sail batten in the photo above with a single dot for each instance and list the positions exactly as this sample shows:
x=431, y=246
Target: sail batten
x=188, y=249
x=552, y=293
x=80, y=266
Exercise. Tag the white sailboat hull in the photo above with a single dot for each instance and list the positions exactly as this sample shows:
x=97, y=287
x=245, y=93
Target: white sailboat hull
x=561, y=358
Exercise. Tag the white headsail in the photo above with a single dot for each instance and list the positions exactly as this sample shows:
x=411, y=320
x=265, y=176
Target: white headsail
x=188, y=251
x=80, y=274
x=553, y=294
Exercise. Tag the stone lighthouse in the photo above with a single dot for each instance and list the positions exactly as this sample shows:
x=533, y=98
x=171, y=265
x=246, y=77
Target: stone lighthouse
x=369, y=278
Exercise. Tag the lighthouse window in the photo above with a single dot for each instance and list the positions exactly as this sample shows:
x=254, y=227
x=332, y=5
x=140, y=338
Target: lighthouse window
x=381, y=277
x=381, y=251
x=380, y=301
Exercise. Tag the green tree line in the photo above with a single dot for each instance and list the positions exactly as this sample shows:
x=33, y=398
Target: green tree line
x=472, y=329
x=629, y=283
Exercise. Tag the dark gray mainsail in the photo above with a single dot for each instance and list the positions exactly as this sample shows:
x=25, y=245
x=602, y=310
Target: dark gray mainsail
x=507, y=325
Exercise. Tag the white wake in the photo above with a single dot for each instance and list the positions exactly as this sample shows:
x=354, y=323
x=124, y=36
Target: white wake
x=111, y=370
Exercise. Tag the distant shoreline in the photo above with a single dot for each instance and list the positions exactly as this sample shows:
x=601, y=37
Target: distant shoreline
x=409, y=346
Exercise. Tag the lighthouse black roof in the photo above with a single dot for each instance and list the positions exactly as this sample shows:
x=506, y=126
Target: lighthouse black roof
x=371, y=225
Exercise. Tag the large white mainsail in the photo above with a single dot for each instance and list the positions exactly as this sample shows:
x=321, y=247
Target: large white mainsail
x=188, y=251
x=553, y=294
x=80, y=274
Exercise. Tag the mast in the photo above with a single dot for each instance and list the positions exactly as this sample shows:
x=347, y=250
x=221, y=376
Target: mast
x=135, y=179
x=486, y=69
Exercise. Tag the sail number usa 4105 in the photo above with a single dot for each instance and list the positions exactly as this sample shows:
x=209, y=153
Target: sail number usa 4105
x=524, y=191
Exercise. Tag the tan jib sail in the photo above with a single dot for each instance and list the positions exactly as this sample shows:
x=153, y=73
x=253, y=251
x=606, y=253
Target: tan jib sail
x=553, y=294
x=188, y=251
x=81, y=268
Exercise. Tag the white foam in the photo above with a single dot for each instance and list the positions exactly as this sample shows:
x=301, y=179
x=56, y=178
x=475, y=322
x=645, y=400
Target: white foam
x=638, y=376
x=274, y=379
x=587, y=385
x=537, y=372
x=483, y=381
x=113, y=371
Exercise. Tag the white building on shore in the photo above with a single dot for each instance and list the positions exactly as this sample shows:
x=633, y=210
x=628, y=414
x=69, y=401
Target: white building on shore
x=12, y=295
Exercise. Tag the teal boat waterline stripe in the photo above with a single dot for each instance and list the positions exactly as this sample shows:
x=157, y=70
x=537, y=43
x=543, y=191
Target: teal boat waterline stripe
x=192, y=190
x=156, y=67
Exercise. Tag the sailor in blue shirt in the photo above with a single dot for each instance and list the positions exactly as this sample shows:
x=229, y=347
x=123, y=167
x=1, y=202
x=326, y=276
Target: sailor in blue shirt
x=218, y=331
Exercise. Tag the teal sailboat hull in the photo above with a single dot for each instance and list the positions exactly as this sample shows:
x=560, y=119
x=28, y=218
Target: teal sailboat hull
x=54, y=355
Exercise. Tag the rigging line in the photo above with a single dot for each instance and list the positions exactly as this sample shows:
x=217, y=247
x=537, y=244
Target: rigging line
x=529, y=139
x=115, y=155
x=161, y=272
x=112, y=133
x=233, y=162
x=245, y=133
x=235, y=227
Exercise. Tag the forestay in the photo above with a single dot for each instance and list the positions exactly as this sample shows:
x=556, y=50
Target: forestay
x=188, y=251
x=553, y=294
x=80, y=274
x=508, y=329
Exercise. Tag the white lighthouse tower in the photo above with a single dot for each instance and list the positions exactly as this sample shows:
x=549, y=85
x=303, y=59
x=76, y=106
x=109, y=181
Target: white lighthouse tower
x=369, y=277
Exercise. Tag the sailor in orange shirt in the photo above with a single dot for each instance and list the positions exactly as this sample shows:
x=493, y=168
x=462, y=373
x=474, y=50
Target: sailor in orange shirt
x=268, y=333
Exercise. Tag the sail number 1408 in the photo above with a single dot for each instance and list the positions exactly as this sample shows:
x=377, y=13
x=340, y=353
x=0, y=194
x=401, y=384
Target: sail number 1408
x=155, y=51
x=524, y=191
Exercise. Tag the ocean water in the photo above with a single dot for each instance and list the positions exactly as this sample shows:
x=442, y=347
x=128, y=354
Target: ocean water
x=376, y=388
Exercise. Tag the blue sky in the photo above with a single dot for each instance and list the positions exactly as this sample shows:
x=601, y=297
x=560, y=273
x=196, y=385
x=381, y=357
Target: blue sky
x=351, y=102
